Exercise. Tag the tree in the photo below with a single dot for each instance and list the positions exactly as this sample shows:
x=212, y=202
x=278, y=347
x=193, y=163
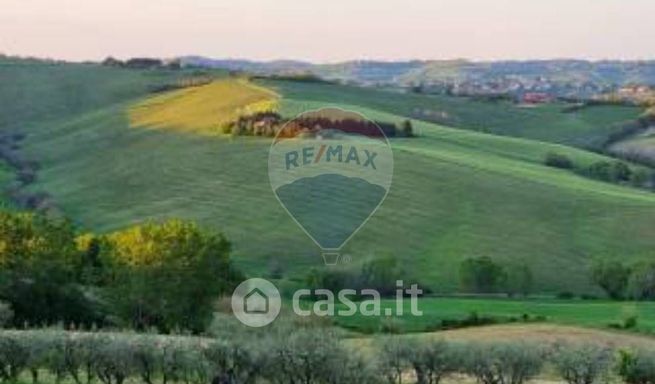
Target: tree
x=621, y=172
x=612, y=277
x=641, y=283
x=640, y=178
x=167, y=275
x=519, y=279
x=432, y=360
x=582, y=364
x=39, y=269
x=637, y=367
x=481, y=275
x=394, y=358
x=381, y=274
x=407, y=128
x=557, y=160
x=306, y=356
x=601, y=170
x=502, y=363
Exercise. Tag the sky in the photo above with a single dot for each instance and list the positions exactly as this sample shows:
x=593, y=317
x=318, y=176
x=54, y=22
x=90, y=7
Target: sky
x=329, y=30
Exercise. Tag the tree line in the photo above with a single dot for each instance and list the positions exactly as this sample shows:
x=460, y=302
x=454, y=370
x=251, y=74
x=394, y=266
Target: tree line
x=155, y=275
x=625, y=281
x=617, y=171
x=306, y=355
x=271, y=124
x=618, y=280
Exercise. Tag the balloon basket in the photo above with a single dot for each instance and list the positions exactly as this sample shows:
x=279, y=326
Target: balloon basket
x=331, y=257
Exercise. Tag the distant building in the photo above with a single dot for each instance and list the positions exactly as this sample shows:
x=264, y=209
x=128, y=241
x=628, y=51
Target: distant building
x=536, y=98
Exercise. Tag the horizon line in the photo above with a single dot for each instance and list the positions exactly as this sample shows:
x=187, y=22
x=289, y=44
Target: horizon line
x=330, y=62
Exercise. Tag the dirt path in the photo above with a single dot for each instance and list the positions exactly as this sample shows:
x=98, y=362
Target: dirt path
x=548, y=333
x=539, y=333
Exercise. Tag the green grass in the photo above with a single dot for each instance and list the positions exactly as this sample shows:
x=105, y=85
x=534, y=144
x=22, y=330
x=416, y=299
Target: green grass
x=597, y=314
x=455, y=194
x=39, y=92
x=202, y=109
x=587, y=127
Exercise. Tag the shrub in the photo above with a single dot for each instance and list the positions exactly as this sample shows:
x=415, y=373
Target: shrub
x=621, y=172
x=394, y=359
x=641, y=283
x=305, y=356
x=114, y=361
x=407, y=129
x=148, y=359
x=39, y=262
x=355, y=369
x=481, y=275
x=558, y=160
x=582, y=364
x=234, y=362
x=601, y=170
x=519, y=279
x=612, y=277
x=473, y=319
x=640, y=178
x=615, y=172
x=507, y=363
x=432, y=361
x=566, y=295
x=380, y=274
x=637, y=367
x=14, y=355
x=6, y=314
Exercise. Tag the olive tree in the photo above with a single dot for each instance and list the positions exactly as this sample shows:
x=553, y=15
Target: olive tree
x=305, y=356
x=432, y=360
x=114, y=359
x=14, y=356
x=583, y=363
x=502, y=363
x=395, y=358
x=637, y=366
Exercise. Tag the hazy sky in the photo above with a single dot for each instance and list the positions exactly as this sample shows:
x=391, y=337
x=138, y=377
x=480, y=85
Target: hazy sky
x=330, y=30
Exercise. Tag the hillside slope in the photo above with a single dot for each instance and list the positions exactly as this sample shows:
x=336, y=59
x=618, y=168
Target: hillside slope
x=585, y=128
x=455, y=193
x=202, y=109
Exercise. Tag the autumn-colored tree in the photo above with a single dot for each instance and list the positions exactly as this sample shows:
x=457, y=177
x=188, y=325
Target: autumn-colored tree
x=167, y=275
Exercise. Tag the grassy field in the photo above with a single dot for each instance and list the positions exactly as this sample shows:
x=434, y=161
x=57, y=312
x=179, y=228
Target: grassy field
x=202, y=109
x=455, y=194
x=587, y=127
x=583, y=313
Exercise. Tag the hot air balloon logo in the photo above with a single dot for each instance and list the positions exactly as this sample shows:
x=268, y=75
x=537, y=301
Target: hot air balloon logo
x=331, y=170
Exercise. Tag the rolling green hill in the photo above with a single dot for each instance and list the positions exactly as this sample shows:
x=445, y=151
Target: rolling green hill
x=585, y=128
x=455, y=193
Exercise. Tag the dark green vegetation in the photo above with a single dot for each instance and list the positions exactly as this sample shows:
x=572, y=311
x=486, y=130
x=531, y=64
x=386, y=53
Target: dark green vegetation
x=308, y=355
x=451, y=312
x=456, y=194
x=269, y=123
x=162, y=277
x=626, y=281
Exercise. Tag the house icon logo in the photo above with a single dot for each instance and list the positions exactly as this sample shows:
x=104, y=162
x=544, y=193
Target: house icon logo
x=256, y=302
